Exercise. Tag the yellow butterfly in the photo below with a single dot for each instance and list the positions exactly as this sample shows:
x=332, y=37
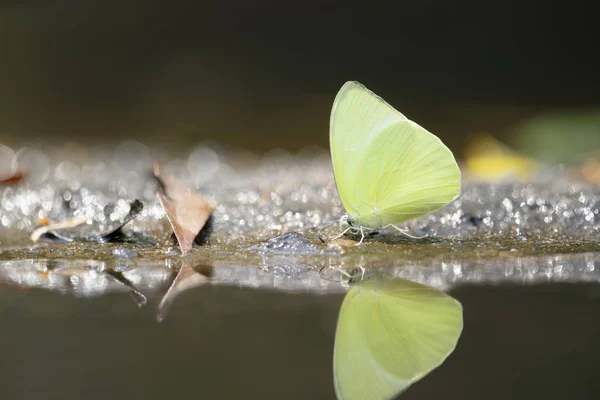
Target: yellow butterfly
x=387, y=168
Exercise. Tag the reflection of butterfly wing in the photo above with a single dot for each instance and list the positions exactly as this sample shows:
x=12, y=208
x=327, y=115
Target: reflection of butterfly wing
x=388, y=169
x=391, y=334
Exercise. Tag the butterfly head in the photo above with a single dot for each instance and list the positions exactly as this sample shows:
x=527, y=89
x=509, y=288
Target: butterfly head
x=347, y=222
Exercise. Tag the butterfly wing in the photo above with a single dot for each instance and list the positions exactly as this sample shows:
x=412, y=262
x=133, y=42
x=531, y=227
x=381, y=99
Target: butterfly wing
x=388, y=169
x=357, y=115
x=389, y=335
x=406, y=172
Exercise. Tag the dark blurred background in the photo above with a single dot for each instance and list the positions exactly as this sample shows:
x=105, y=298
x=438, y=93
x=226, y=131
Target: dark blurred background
x=261, y=74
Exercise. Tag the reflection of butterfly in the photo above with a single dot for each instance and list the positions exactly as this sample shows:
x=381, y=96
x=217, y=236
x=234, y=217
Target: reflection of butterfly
x=387, y=168
x=391, y=333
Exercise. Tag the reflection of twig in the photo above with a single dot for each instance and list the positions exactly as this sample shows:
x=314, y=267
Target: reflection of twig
x=187, y=278
x=138, y=296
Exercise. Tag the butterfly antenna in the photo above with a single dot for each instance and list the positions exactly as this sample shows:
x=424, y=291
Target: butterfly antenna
x=352, y=277
x=322, y=229
x=341, y=271
x=342, y=234
x=405, y=233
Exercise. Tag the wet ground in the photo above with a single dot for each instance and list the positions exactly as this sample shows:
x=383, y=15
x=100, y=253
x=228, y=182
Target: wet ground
x=255, y=316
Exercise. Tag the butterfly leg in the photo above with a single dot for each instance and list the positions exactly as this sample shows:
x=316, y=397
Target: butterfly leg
x=321, y=230
x=349, y=277
x=341, y=271
x=402, y=231
x=362, y=272
x=362, y=236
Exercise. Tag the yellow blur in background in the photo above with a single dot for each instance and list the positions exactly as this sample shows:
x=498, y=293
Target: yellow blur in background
x=488, y=159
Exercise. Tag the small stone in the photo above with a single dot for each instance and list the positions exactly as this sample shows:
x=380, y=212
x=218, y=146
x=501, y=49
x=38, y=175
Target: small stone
x=124, y=253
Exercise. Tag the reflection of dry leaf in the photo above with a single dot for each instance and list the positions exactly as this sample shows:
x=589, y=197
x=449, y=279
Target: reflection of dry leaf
x=186, y=278
x=186, y=210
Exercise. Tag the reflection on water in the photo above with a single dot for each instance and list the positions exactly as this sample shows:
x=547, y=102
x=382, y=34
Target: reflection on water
x=83, y=278
x=232, y=342
x=272, y=332
x=391, y=333
x=88, y=278
x=187, y=278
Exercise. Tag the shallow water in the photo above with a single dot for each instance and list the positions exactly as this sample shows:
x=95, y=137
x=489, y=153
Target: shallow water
x=231, y=342
x=254, y=316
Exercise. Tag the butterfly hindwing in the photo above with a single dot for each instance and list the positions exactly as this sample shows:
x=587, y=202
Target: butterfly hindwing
x=406, y=172
x=357, y=115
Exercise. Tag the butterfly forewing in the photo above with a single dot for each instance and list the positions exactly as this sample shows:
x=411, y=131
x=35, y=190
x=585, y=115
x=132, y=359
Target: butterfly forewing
x=357, y=115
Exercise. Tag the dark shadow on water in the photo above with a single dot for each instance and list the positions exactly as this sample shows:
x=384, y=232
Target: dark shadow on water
x=519, y=342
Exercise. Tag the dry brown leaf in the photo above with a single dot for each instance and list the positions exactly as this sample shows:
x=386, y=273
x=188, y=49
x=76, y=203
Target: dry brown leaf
x=16, y=177
x=186, y=209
